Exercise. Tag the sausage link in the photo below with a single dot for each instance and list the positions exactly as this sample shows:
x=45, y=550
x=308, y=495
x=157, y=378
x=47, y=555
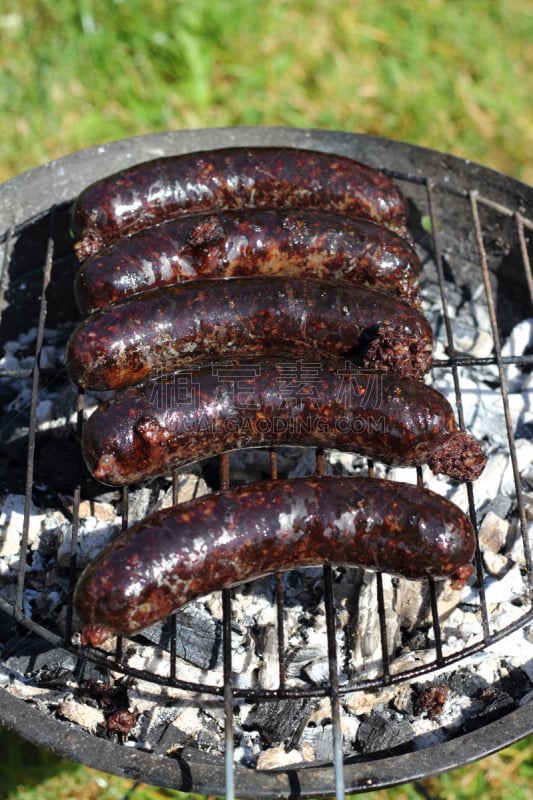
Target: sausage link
x=157, y=332
x=155, y=427
x=300, y=243
x=225, y=538
x=237, y=177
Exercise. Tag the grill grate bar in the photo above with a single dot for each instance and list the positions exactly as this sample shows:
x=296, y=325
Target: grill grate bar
x=229, y=742
x=19, y=601
x=521, y=222
x=383, y=629
x=75, y=523
x=334, y=684
x=474, y=198
x=436, y=622
x=444, y=301
x=459, y=405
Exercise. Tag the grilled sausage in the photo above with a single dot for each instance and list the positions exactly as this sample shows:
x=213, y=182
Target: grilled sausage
x=300, y=243
x=238, y=177
x=153, y=428
x=166, y=329
x=219, y=540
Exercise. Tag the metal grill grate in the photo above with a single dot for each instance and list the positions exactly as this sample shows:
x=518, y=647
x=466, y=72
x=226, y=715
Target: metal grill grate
x=479, y=217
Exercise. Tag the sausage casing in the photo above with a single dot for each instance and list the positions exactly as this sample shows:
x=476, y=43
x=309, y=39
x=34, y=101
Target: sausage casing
x=157, y=332
x=152, y=428
x=300, y=242
x=237, y=177
x=219, y=540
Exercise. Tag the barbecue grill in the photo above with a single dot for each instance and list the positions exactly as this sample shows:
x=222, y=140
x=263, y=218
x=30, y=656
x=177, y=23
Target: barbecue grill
x=473, y=228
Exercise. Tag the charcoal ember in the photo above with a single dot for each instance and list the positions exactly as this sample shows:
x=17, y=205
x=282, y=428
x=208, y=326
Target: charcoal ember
x=155, y=731
x=198, y=636
x=57, y=460
x=280, y=721
x=31, y=655
x=466, y=682
x=500, y=505
x=8, y=627
x=384, y=731
x=514, y=681
x=494, y=704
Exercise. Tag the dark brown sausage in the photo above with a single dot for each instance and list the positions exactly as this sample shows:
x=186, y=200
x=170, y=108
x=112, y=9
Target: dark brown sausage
x=238, y=177
x=225, y=538
x=300, y=243
x=166, y=329
x=153, y=428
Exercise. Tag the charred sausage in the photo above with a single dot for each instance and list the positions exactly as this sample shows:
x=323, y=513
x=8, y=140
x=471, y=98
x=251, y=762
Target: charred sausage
x=238, y=177
x=300, y=243
x=166, y=329
x=153, y=428
x=219, y=540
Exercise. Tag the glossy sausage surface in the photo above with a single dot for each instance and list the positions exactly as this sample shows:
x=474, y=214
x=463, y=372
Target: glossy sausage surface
x=153, y=428
x=225, y=538
x=239, y=177
x=157, y=332
x=300, y=243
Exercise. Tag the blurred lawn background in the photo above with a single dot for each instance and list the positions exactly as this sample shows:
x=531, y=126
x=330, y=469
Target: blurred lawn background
x=452, y=75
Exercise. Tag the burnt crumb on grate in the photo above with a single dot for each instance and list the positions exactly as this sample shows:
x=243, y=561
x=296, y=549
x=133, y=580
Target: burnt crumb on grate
x=431, y=701
x=112, y=700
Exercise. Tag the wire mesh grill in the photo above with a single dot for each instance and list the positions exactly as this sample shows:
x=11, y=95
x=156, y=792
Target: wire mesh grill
x=480, y=217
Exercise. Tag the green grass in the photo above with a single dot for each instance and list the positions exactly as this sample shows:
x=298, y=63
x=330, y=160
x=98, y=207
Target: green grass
x=454, y=76
x=451, y=75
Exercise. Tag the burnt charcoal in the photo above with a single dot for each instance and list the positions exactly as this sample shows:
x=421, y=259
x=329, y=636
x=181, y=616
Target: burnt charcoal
x=33, y=656
x=514, y=682
x=280, y=721
x=52, y=677
x=500, y=505
x=90, y=671
x=467, y=683
x=8, y=627
x=156, y=729
x=198, y=637
x=382, y=731
x=320, y=737
x=497, y=704
x=58, y=465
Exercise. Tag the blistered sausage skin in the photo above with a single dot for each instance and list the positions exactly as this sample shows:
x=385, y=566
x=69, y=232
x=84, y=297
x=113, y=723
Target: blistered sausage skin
x=300, y=243
x=157, y=332
x=154, y=191
x=153, y=428
x=219, y=540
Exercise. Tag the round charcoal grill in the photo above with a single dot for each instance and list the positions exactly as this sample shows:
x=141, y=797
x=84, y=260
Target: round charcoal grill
x=473, y=229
